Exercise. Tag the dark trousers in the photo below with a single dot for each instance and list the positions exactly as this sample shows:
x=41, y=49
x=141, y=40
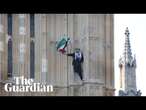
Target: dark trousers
x=78, y=70
x=81, y=76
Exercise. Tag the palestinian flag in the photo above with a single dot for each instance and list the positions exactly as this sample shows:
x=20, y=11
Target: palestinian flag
x=62, y=44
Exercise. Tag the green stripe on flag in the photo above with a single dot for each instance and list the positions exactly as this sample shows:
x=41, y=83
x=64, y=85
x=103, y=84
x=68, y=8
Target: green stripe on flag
x=61, y=44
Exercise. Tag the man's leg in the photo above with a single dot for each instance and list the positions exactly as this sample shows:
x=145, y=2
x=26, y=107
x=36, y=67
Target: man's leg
x=80, y=74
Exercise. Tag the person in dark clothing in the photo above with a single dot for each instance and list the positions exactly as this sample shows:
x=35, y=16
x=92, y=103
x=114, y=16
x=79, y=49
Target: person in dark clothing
x=77, y=62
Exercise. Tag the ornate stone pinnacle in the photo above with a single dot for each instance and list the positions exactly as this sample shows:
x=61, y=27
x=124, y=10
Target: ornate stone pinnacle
x=127, y=50
x=127, y=32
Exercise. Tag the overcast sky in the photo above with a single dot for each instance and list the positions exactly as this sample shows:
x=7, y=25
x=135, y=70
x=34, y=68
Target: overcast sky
x=137, y=27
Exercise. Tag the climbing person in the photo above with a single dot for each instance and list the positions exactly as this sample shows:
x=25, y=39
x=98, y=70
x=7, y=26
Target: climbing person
x=77, y=62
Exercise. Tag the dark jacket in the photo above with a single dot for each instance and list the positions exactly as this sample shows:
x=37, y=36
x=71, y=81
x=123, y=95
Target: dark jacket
x=77, y=64
x=75, y=61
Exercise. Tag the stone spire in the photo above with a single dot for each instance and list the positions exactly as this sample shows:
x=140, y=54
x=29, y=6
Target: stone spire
x=127, y=49
x=127, y=57
x=127, y=64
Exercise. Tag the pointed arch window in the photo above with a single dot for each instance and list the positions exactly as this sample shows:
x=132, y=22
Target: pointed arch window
x=32, y=47
x=32, y=56
x=32, y=25
x=10, y=24
x=10, y=57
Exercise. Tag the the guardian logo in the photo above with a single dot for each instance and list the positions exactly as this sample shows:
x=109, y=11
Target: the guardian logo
x=22, y=84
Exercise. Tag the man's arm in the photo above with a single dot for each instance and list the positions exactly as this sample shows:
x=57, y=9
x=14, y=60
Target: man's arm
x=70, y=54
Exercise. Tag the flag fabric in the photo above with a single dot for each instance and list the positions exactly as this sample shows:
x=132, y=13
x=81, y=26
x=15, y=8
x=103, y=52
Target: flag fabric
x=62, y=44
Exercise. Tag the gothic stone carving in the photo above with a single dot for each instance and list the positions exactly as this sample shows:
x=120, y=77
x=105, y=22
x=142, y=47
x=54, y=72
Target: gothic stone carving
x=130, y=93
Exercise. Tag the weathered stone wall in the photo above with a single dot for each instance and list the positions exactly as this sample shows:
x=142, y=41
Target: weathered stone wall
x=93, y=33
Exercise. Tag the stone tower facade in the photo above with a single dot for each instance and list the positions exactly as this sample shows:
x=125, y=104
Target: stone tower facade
x=27, y=47
x=127, y=64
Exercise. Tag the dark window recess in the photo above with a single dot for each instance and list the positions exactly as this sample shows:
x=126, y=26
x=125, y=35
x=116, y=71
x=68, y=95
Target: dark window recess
x=10, y=63
x=10, y=24
x=10, y=57
x=32, y=59
x=32, y=25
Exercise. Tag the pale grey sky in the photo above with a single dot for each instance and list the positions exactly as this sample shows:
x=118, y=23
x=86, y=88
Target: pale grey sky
x=137, y=27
